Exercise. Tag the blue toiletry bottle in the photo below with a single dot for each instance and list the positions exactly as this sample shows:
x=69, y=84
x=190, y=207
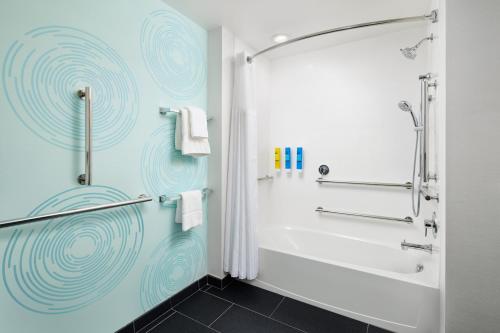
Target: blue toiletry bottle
x=288, y=159
x=300, y=159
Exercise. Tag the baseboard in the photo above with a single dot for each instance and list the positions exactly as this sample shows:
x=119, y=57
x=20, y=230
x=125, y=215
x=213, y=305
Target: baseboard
x=157, y=314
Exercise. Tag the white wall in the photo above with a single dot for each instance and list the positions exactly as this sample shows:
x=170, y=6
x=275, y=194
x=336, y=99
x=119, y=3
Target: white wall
x=473, y=166
x=340, y=104
x=437, y=65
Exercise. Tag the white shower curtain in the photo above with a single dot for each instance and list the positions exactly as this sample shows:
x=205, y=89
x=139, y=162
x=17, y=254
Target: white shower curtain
x=240, y=242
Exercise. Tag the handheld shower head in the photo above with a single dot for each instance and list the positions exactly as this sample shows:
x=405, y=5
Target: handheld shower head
x=406, y=107
x=411, y=52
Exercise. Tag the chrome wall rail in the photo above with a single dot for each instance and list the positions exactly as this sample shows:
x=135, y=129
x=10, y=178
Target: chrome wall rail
x=422, y=247
x=407, y=185
x=165, y=198
x=425, y=99
x=407, y=219
x=11, y=223
x=433, y=17
x=86, y=178
x=266, y=177
x=166, y=110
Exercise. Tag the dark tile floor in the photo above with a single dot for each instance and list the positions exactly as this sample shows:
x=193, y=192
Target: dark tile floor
x=242, y=308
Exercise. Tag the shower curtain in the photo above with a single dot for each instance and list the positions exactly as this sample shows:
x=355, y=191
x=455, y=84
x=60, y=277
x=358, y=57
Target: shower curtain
x=240, y=241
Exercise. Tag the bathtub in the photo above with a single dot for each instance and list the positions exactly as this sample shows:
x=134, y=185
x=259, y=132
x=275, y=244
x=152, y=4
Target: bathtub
x=371, y=282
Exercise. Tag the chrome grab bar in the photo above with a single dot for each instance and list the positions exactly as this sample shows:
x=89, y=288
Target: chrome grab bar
x=86, y=178
x=425, y=99
x=405, y=246
x=407, y=219
x=266, y=177
x=165, y=198
x=407, y=185
x=14, y=222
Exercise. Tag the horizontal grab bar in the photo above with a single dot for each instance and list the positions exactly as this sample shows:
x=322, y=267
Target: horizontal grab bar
x=164, y=198
x=11, y=223
x=407, y=219
x=407, y=185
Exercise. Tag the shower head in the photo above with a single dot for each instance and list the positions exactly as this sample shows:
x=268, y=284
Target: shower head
x=406, y=107
x=411, y=52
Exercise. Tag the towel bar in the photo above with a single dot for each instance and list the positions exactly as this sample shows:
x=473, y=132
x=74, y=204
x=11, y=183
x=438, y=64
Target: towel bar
x=165, y=111
x=165, y=198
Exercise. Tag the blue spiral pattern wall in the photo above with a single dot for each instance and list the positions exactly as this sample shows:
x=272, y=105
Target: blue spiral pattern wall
x=44, y=69
x=172, y=54
x=176, y=262
x=65, y=264
x=164, y=169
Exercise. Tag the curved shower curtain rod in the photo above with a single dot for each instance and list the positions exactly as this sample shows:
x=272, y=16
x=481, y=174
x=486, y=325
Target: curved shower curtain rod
x=433, y=17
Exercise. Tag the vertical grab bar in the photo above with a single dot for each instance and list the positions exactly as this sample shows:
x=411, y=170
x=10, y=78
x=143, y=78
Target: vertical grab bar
x=86, y=178
x=424, y=116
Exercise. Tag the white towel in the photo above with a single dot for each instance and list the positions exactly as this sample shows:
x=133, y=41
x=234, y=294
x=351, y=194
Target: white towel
x=189, y=210
x=198, y=122
x=195, y=147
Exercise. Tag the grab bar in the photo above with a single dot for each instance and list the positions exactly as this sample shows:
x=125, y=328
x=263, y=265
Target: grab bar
x=407, y=185
x=11, y=223
x=165, y=110
x=407, y=219
x=165, y=198
x=86, y=178
x=266, y=177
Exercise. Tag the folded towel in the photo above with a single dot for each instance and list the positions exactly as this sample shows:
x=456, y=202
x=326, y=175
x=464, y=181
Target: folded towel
x=189, y=210
x=198, y=122
x=183, y=141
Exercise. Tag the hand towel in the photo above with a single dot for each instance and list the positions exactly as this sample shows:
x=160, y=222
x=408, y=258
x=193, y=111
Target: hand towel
x=189, y=210
x=198, y=122
x=195, y=147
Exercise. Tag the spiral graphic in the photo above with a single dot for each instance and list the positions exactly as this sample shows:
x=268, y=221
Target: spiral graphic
x=64, y=265
x=165, y=170
x=176, y=262
x=42, y=73
x=173, y=54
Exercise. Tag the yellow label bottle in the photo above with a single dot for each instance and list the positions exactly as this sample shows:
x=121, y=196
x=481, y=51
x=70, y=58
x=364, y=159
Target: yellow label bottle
x=277, y=158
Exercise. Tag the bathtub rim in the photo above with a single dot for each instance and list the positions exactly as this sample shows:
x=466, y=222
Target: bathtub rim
x=427, y=279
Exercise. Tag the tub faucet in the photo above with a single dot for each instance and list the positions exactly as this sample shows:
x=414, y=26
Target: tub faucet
x=406, y=246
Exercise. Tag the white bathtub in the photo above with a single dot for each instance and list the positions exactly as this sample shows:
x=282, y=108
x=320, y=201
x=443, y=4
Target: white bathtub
x=371, y=282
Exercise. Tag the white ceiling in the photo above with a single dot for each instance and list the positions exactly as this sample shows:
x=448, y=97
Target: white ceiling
x=256, y=21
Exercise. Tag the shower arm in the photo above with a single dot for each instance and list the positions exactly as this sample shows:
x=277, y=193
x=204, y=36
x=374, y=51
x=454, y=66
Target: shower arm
x=431, y=38
x=433, y=17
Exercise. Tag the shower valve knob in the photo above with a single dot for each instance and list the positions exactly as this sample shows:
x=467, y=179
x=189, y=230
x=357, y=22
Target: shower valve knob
x=324, y=170
x=431, y=224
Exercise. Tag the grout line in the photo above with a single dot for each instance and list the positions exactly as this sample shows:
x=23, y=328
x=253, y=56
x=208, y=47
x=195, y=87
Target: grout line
x=277, y=306
x=161, y=321
x=260, y=314
x=199, y=322
x=206, y=292
x=229, y=307
x=278, y=321
x=185, y=299
x=231, y=282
